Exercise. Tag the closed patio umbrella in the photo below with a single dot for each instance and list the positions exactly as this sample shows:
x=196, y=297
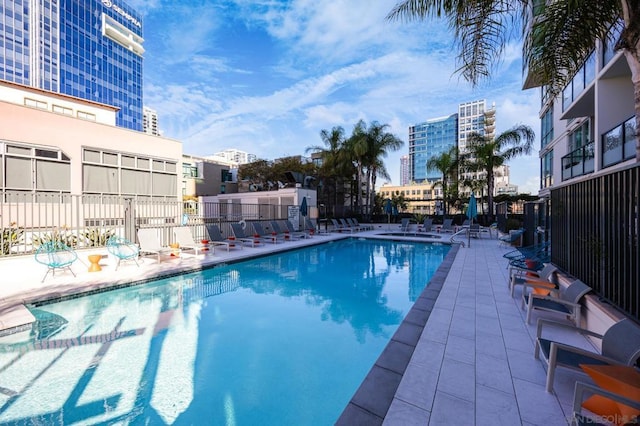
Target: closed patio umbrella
x=472, y=213
x=304, y=210
x=388, y=210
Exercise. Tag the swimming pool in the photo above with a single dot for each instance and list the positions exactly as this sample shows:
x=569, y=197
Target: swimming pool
x=282, y=339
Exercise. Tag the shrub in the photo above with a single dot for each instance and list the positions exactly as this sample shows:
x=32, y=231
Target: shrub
x=10, y=237
x=63, y=236
x=95, y=237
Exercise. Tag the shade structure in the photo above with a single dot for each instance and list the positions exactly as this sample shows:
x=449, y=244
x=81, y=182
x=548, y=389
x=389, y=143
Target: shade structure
x=303, y=207
x=472, y=209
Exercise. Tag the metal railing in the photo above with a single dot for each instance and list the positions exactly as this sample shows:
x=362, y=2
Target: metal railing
x=594, y=228
x=83, y=221
x=579, y=162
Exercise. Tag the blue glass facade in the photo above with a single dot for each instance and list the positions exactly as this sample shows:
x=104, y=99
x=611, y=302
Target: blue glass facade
x=427, y=140
x=98, y=55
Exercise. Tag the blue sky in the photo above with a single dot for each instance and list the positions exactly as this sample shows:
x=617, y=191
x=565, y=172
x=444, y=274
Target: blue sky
x=266, y=76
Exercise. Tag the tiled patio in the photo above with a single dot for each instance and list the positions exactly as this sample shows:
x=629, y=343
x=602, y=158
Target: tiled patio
x=472, y=363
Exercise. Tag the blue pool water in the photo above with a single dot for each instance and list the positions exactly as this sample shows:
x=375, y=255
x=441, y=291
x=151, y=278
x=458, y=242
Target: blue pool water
x=282, y=339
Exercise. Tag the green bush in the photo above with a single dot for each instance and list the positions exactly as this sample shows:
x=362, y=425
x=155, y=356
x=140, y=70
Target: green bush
x=57, y=236
x=95, y=237
x=11, y=236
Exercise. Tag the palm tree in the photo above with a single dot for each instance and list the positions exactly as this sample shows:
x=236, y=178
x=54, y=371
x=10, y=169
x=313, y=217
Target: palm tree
x=336, y=166
x=371, y=145
x=561, y=36
x=484, y=154
x=447, y=164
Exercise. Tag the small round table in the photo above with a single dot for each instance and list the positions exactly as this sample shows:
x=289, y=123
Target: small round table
x=94, y=260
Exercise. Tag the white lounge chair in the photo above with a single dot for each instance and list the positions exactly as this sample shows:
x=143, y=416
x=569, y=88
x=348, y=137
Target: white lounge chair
x=184, y=238
x=150, y=243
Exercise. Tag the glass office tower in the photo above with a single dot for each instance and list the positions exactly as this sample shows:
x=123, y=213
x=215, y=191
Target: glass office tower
x=90, y=49
x=427, y=140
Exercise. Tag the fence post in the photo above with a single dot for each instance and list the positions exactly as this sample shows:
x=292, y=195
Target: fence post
x=129, y=220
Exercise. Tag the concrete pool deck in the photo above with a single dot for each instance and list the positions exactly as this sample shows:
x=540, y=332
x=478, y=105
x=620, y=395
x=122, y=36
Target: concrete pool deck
x=472, y=362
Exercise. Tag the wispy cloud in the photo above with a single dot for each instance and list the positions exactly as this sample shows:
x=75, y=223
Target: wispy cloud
x=307, y=66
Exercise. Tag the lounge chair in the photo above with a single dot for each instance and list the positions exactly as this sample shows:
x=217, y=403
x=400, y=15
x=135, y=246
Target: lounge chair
x=447, y=226
x=338, y=227
x=474, y=230
x=282, y=232
x=289, y=232
x=545, y=277
x=620, y=345
x=427, y=225
x=305, y=233
x=123, y=250
x=605, y=399
x=567, y=303
x=184, y=238
x=512, y=238
x=261, y=234
x=150, y=243
x=346, y=224
x=405, y=223
x=241, y=236
x=216, y=238
x=364, y=227
x=311, y=227
x=353, y=225
x=55, y=255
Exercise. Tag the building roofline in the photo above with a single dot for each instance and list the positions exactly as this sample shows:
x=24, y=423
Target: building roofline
x=31, y=89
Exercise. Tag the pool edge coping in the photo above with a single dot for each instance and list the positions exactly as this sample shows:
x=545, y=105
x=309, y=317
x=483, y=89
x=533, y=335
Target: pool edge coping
x=371, y=401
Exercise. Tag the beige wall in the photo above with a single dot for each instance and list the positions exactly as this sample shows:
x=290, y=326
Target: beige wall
x=31, y=126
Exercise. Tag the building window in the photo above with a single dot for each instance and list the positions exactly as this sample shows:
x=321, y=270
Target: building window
x=86, y=116
x=580, y=136
x=32, y=103
x=619, y=143
x=62, y=110
x=546, y=131
x=546, y=170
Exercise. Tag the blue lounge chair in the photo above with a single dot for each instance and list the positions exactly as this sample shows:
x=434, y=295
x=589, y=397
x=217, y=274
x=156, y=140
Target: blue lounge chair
x=55, y=255
x=447, y=226
x=123, y=250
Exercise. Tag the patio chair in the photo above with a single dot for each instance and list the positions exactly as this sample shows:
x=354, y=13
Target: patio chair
x=123, y=250
x=282, y=232
x=354, y=225
x=474, y=230
x=512, y=237
x=347, y=224
x=292, y=230
x=216, y=238
x=405, y=223
x=55, y=255
x=366, y=227
x=544, y=277
x=427, y=225
x=261, y=234
x=447, y=226
x=620, y=344
x=338, y=227
x=241, y=236
x=602, y=397
x=150, y=243
x=185, y=240
x=567, y=303
x=311, y=226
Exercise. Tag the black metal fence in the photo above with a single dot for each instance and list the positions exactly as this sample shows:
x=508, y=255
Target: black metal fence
x=594, y=232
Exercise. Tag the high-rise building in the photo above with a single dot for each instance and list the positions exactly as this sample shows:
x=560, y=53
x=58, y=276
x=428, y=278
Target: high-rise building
x=427, y=140
x=150, y=121
x=474, y=117
x=89, y=49
x=404, y=170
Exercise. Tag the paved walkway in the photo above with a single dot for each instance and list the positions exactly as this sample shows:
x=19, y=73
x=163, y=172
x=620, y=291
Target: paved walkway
x=473, y=362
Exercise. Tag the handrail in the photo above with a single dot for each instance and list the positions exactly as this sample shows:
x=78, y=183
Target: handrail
x=456, y=233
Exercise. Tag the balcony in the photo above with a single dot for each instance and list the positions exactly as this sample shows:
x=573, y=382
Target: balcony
x=579, y=162
x=578, y=98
